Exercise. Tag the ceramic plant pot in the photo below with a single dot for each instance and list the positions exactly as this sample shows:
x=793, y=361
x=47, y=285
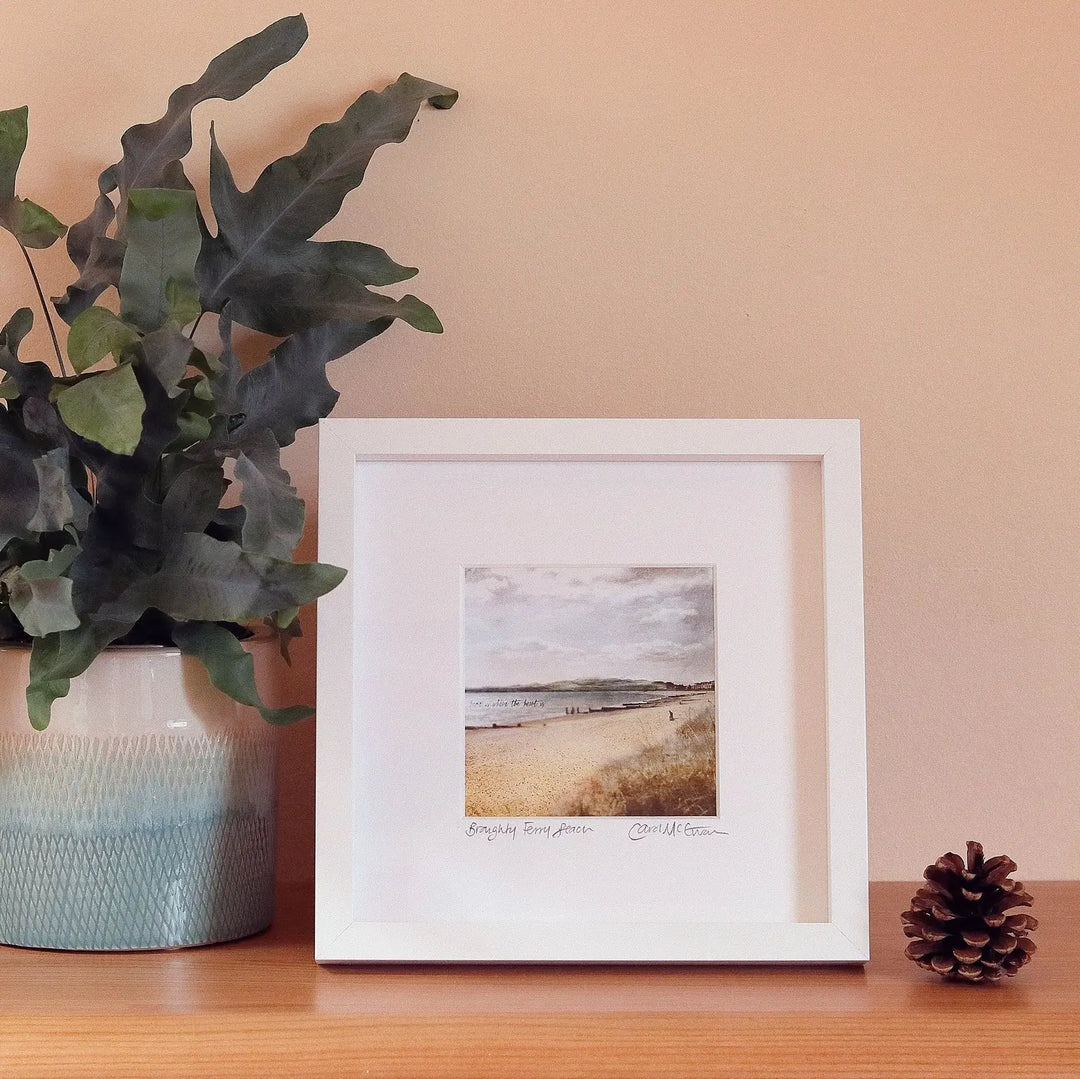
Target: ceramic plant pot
x=143, y=817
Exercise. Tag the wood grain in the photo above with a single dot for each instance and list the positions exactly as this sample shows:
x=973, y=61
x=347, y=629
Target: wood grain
x=261, y=1007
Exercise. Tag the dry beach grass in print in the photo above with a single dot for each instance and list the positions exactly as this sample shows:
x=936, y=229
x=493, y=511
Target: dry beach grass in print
x=589, y=691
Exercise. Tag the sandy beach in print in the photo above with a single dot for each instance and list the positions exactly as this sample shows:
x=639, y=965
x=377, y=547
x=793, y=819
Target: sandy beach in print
x=629, y=762
x=589, y=691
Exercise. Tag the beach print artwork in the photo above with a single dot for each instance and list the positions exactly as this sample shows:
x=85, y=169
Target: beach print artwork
x=589, y=691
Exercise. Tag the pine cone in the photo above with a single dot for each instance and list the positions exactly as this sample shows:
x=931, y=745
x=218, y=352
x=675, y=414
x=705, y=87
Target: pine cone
x=959, y=922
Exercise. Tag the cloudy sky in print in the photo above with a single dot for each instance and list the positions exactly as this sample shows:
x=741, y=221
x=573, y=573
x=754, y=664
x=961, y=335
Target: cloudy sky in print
x=539, y=624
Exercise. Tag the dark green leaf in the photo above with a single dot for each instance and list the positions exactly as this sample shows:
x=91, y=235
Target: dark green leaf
x=125, y=517
x=40, y=695
x=275, y=514
x=54, y=508
x=47, y=569
x=59, y=657
x=286, y=628
x=163, y=241
x=295, y=196
x=231, y=668
x=226, y=377
x=19, y=489
x=125, y=528
x=42, y=605
x=182, y=299
x=309, y=282
x=167, y=353
x=228, y=524
x=152, y=152
x=95, y=334
x=192, y=501
x=106, y=408
x=13, y=129
x=16, y=329
x=28, y=380
x=33, y=379
x=106, y=567
x=191, y=428
x=150, y=149
x=203, y=579
x=287, y=303
x=290, y=389
x=362, y=262
x=97, y=256
x=32, y=225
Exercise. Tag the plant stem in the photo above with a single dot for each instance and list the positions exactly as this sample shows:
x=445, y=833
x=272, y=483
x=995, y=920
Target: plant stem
x=195, y=326
x=45, y=308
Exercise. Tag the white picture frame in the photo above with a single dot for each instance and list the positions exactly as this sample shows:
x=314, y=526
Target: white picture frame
x=780, y=873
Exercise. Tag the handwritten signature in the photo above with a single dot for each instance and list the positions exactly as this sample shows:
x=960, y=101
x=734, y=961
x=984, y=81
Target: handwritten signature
x=669, y=828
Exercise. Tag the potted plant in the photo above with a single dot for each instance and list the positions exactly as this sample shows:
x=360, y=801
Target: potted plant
x=144, y=504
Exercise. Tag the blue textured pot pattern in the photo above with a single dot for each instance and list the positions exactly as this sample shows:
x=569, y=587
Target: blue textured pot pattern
x=142, y=818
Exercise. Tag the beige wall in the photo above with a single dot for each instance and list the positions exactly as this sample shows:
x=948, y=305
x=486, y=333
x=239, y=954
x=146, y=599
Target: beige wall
x=692, y=208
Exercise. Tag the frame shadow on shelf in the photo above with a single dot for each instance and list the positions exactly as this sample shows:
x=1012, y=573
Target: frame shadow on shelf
x=592, y=691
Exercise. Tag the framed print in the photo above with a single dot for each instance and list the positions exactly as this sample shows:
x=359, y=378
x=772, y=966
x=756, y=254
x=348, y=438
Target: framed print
x=592, y=691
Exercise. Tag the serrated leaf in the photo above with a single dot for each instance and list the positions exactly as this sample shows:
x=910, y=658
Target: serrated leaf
x=231, y=668
x=152, y=151
x=163, y=241
x=95, y=334
x=106, y=408
x=296, y=195
x=290, y=389
x=204, y=579
x=275, y=514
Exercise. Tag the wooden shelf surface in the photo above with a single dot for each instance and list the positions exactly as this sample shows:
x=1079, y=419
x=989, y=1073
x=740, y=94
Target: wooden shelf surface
x=262, y=1007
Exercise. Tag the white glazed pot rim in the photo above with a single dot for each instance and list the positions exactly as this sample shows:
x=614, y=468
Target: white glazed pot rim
x=258, y=636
